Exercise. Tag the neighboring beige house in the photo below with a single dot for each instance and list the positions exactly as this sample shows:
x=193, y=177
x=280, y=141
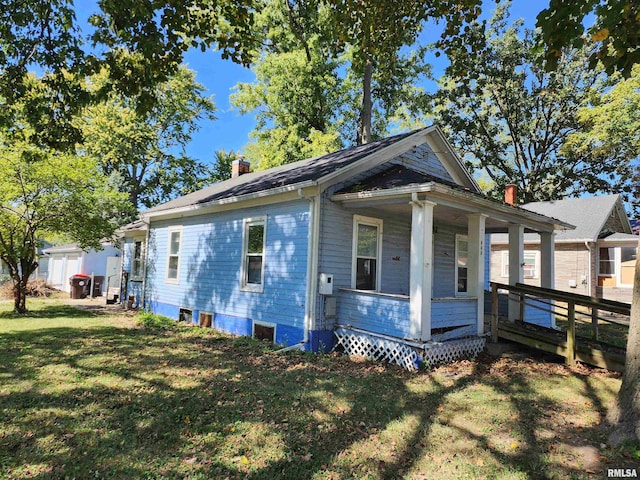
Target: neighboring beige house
x=595, y=259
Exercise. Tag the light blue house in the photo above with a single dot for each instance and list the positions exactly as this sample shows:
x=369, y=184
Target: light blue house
x=378, y=249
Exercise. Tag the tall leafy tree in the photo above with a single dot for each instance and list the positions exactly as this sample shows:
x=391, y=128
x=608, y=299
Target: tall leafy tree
x=613, y=39
x=44, y=192
x=609, y=133
x=222, y=167
x=333, y=73
x=144, y=151
x=375, y=34
x=298, y=95
x=46, y=35
x=511, y=119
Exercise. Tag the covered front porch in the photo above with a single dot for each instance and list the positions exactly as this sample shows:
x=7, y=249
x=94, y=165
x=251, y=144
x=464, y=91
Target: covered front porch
x=431, y=264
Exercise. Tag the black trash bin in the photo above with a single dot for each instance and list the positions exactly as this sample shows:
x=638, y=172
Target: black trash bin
x=79, y=285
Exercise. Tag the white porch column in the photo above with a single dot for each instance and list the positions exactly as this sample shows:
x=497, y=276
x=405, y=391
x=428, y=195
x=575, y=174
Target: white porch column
x=547, y=259
x=420, y=276
x=516, y=261
x=475, y=263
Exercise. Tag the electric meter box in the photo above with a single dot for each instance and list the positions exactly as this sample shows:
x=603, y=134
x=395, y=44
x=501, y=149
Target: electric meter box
x=326, y=284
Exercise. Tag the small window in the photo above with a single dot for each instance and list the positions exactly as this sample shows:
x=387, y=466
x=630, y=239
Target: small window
x=173, y=255
x=205, y=320
x=530, y=267
x=462, y=258
x=253, y=255
x=367, y=248
x=264, y=331
x=136, y=261
x=607, y=264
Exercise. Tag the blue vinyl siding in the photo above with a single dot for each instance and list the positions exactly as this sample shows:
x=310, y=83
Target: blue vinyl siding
x=375, y=313
x=444, y=260
x=423, y=160
x=453, y=312
x=420, y=159
x=210, y=267
x=534, y=315
x=337, y=244
x=336, y=251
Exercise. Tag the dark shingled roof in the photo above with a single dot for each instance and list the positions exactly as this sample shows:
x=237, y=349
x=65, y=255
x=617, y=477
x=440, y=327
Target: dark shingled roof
x=294, y=173
x=396, y=176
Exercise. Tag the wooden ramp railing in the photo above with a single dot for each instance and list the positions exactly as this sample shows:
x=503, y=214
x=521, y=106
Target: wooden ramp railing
x=589, y=347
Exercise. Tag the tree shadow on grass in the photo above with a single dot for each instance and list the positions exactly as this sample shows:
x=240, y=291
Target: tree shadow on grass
x=130, y=403
x=50, y=311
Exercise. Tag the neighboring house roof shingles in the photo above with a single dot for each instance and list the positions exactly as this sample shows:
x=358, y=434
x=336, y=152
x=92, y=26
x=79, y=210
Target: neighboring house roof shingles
x=588, y=214
x=293, y=173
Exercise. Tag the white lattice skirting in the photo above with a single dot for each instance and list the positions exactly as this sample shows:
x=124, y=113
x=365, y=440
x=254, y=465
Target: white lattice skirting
x=409, y=356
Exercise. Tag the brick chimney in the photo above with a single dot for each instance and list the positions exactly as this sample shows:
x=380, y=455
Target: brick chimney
x=511, y=194
x=239, y=167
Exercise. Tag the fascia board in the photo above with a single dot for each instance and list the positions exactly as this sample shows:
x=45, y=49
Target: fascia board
x=263, y=197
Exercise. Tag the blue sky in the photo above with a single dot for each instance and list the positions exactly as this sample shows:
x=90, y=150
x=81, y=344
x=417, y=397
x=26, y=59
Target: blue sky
x=231, y=130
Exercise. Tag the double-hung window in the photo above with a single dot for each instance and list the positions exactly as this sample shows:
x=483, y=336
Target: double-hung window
x=530, y=267
x=607, y=263
x=367, y=252
x=253, y=254
x=462, y=258
x=173, y=255
x=137, y=259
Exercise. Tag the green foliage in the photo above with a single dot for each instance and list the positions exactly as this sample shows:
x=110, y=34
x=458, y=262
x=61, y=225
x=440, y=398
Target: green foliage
x=46, y=35
x=138, y=149
x=374, y=36
x=297, y=96
x=510, y=118
x=222, y=168
x=613, y=39
x=609, y=134
x=44, y=192
x=150, y=320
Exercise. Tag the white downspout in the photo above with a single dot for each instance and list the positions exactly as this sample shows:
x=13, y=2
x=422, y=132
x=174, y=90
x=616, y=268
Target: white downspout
x=312, y=271
x=586, y=244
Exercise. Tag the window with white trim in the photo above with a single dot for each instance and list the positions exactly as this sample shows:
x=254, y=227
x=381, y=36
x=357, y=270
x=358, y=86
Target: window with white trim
x=462, y=259
x=607, y=262
x=264, y=331
x=367, y=251
x=173, y=255
x=136, y=260
x=531, y=264
x=253, y=254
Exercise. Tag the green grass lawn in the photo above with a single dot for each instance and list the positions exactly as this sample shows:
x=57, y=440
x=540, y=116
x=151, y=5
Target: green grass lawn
x=94, y=396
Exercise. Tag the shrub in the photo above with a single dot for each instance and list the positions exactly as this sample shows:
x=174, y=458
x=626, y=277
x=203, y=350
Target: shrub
x=147, y=319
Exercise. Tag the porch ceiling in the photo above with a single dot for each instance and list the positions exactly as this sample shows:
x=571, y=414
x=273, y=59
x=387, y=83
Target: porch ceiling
x=452, y=206
x=441, y=214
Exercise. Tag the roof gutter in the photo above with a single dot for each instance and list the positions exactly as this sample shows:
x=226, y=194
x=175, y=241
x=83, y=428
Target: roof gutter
x=199, y=208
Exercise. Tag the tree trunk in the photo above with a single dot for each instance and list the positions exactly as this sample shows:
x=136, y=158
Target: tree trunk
x=20, y=296
x=364, y=135
x=627, y=417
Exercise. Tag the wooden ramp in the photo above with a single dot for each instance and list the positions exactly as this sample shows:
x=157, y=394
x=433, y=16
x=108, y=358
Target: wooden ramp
x=591, y=350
